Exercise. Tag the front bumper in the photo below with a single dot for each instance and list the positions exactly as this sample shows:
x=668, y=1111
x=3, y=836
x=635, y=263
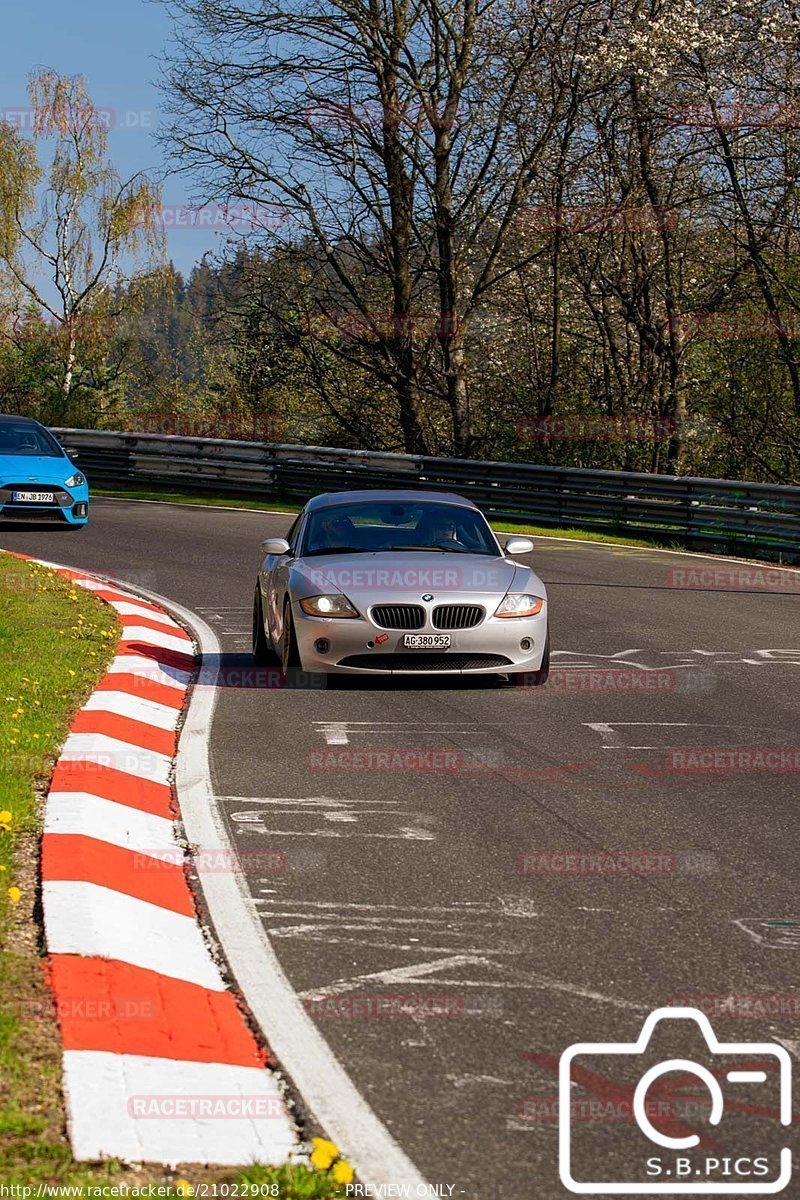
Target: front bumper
x=490, y=648
x=70, y=506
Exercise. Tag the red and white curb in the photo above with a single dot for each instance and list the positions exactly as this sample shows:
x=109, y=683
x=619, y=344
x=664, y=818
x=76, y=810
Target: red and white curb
x=159, y=1062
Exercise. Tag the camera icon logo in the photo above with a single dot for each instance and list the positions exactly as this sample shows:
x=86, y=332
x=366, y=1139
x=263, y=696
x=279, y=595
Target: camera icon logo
x=673, y=1159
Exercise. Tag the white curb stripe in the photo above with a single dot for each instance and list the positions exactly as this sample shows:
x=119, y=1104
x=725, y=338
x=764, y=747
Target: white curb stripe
x=84, y=918
x=126, y=609
x=137, y=708
x=153, y=637
x=92, y=816
x=105, y=1089
x=121, y=756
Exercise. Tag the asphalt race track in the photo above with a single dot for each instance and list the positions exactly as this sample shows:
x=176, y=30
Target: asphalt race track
x=428, y=876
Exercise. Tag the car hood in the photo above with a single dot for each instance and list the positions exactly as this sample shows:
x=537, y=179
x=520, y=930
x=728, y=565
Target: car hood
x=406, y=577
x=26, y=468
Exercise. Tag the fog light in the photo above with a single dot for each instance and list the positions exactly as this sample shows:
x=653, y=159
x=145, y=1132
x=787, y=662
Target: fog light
x=80, y=510
x=322, y=645
x=526, y=644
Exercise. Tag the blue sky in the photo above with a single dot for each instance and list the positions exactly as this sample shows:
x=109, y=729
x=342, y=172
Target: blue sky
x=115, y=44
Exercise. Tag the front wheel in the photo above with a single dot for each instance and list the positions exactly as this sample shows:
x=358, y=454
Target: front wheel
x=534, y=678
x=290, y=656
x=262, y=650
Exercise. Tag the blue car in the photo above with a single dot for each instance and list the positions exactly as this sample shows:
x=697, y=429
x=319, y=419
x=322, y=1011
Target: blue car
x=38, y=481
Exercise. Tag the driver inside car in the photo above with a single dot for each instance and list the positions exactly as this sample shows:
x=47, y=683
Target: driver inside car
x=439, y=528
x=335, y=531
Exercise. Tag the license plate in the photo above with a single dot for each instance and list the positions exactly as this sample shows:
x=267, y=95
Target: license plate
x=33, y=497
x=427, y=641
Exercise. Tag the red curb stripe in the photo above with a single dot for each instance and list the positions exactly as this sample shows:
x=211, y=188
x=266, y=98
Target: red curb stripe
x=107, y=1005
x=75, y=775
x=159, y=654
x=72, y=856
x=111, y=595
x=144, y=687
x=130, y=621
x=126, y=729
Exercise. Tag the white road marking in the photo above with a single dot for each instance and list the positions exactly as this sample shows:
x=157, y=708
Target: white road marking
x=612, y=738
x=84, y=918
x=337, y=733
x=91, y=816
x=104, y=1090
x=324, y=1084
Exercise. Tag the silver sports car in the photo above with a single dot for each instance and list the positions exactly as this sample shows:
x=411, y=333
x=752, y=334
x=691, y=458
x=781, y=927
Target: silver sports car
x=399, y=582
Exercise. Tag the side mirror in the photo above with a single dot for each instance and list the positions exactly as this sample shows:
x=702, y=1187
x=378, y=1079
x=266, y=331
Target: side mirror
x=71, y=454
x=518, y=545
x=275, y=546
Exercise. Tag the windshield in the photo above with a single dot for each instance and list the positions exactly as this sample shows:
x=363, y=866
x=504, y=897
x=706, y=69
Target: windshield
x=27, y=440
x=383, y=525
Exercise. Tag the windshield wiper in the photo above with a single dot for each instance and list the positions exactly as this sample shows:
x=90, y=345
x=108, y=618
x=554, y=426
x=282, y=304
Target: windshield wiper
x=339, y=550
x=439, y=549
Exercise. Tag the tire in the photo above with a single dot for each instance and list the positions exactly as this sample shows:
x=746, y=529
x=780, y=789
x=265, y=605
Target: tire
x=534, y=678
x=290, y=657
x=263, y=653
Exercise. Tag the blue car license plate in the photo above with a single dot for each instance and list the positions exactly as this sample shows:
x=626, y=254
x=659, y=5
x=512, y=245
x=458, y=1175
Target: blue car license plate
x=33, y=497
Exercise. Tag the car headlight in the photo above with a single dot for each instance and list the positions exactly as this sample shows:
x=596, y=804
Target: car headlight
x=76, y=480
x=519, y=605
x=335, y=605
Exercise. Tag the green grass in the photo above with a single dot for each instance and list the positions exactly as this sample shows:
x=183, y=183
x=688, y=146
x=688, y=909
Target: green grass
x=279, y=503
x=55, y=642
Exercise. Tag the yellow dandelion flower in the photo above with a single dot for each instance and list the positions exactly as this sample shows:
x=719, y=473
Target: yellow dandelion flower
x=184, y=1188
x=324, y=1154
x=342, y=1172
x=14, y=894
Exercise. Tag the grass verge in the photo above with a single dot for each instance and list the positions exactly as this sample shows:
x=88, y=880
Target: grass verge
x=281, y=504
x=55, y=642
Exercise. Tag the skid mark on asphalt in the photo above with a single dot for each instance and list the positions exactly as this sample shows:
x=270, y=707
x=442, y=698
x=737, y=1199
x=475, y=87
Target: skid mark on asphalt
x=422, y=972
x=233, y=623
x=489, y=958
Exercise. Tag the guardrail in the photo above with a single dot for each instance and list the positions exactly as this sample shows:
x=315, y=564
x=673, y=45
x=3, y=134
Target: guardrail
x=758, y=520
